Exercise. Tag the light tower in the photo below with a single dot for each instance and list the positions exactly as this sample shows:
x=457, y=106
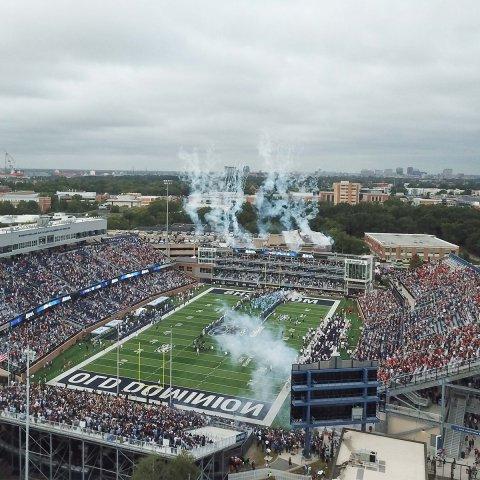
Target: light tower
x=167, y=183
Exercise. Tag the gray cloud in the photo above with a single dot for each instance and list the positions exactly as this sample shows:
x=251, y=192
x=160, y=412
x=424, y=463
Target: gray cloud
x=348, y=85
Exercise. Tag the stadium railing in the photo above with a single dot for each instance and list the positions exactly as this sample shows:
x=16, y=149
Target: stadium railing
x=455, y=368
x=119, y=441
x=413, y=412
x=262, y=473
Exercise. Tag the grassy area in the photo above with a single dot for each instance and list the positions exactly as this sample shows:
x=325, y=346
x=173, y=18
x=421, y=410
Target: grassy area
x=354, y=332
x=85, y=349
x=282, y=420
x=71, y=357
x=146, y=357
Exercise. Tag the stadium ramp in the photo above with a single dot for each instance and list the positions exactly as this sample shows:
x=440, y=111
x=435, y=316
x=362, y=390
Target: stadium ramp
x=456, y=416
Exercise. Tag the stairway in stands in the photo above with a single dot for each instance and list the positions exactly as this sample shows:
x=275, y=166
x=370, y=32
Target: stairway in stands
x=418, y=400
x=456, y=415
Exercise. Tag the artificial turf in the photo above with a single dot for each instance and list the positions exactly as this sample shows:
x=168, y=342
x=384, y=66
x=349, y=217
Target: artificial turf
x=211, y=370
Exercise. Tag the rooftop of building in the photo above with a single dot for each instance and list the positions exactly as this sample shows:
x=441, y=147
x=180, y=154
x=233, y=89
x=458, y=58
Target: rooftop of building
x=417, y=240
x=46, y=223
x=372, y=456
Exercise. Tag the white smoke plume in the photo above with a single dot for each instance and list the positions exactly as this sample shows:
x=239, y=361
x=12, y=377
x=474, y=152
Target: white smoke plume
x=221, y=192
x=278, y=199
x=280, y=196
x=271, y=357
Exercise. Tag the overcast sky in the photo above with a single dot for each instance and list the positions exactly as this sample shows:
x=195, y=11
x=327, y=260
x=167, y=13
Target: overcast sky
x=344, y=85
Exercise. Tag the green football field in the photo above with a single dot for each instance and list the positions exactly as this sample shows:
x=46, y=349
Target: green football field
x=145, y=357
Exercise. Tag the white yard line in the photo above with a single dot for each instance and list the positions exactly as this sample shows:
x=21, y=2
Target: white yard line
x=55, y=381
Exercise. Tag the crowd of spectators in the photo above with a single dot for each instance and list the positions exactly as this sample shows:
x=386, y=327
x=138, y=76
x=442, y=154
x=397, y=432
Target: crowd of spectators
x=108, y=415
x=319, y=344
x=438, y=323
x=30, y=280
x=45, y=333
x=278, y=440
x=82, y=266
x=293, y=272
x=297, y=280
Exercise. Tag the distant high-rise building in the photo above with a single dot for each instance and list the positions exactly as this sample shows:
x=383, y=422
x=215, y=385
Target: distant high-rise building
x=410, y=170
x=388, y=172
x=399, y=170
x=346, y=192
x=447, y=173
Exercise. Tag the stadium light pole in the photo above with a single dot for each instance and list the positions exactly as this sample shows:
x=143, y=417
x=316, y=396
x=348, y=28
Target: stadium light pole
x=167, y=183
x=27, y=420
x=118, y=359
x=171, y=349
x=8, y=361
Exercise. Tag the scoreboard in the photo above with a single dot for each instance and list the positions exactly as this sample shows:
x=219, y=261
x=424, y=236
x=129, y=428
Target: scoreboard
x=334, y=393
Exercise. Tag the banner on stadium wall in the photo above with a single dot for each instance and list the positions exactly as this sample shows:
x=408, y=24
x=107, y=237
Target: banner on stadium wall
x=461, y=428
x=239, y=408
x=40, y=309
x=264, y=251
x=300, y=299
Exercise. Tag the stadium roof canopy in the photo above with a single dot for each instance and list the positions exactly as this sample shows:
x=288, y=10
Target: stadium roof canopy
x=157, y=301
x=412, y=240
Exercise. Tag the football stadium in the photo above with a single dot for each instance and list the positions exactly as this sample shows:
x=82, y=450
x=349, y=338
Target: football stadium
x=201, y=363
x=119, y=351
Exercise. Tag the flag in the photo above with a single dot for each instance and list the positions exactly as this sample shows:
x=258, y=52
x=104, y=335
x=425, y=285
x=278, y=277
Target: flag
x=3, y=357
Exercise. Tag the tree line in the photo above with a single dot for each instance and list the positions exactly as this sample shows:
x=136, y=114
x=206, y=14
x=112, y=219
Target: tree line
x=346, y=224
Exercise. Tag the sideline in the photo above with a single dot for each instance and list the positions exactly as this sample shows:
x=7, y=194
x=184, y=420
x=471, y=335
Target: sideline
x=55, y=381
x=285, y=391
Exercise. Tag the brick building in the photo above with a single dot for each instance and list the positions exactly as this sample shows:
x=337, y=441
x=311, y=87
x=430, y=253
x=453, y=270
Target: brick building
x=403, y=246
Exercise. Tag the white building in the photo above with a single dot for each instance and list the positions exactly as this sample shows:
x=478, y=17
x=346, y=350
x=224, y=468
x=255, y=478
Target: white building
x=48, y=234
x=44, y=203
x=131, y=200
x=372, y=456
x=87, y=196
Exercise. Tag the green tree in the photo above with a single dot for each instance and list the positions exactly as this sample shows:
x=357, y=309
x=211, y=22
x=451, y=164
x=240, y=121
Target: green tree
x=117, y=222
x=415, y=262
x=153, y=467
x=6, y=208
x=28, y=208
x=248, y=218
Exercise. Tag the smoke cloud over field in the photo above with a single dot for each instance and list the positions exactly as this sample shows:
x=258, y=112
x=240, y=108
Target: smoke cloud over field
x=251, y=342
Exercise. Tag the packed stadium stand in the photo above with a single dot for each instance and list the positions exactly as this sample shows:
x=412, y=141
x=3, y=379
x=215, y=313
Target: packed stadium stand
x=93, y=281
x=437, y=323
x=320, y=272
